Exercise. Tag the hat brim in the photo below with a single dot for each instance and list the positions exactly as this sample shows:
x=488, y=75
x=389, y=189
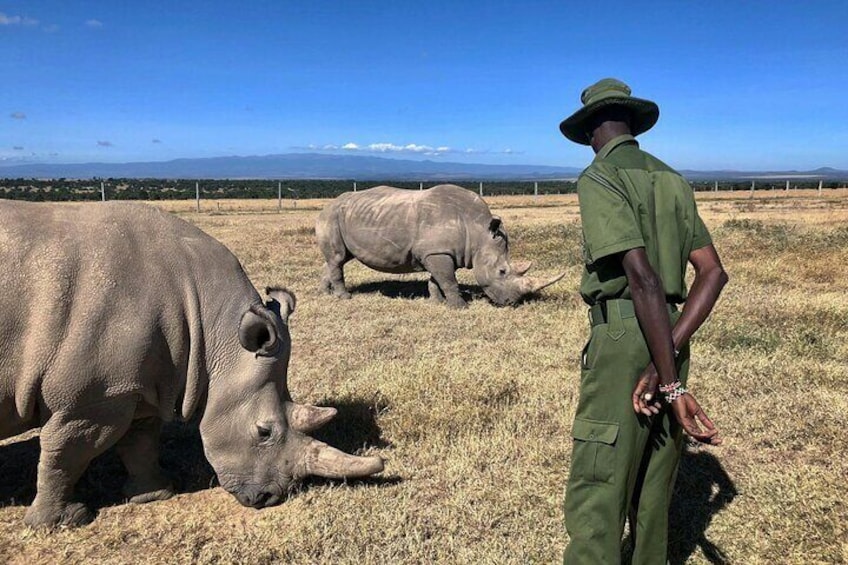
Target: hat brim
x=644, y=115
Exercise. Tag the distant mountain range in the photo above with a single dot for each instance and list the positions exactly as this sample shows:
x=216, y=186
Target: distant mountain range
x=322, y=166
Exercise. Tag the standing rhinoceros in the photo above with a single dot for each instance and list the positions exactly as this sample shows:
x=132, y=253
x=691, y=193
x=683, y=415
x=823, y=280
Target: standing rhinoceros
x=116, y=317
x=437, y=230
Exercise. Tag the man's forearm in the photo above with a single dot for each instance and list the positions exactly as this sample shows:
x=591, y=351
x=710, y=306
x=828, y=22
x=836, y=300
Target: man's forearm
x=652, y=312
x=649, y=303
x=710, y=279
x=703, y=296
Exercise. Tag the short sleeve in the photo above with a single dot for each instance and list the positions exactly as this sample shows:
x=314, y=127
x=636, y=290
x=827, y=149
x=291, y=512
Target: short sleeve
x=700, y=235
x=609, y=222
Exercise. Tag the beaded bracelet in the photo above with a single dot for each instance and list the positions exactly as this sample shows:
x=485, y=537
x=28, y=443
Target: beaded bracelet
x=671, y=386
x=674, y=395
x=672, y=391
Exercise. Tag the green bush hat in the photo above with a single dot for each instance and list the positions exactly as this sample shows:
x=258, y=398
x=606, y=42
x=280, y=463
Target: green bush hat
x=609, y=92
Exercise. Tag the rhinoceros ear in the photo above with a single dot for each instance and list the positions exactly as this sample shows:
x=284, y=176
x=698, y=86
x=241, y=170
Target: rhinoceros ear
x=258, y=332
x=495, y=225
x=281, y=301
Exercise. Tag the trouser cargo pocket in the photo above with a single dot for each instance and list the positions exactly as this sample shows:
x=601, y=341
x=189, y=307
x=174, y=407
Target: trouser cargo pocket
x=593, y=456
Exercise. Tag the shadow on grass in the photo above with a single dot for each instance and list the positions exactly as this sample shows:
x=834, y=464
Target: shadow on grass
x=418, y=289
x=181, y=457
x=702, y=490
x=409, y=289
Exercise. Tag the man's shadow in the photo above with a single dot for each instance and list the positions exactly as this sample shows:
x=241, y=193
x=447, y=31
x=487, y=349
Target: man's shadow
x=181, y=455
x=703, y=489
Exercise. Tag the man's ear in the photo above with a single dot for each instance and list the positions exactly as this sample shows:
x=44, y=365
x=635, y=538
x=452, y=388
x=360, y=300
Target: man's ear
x=281, y=301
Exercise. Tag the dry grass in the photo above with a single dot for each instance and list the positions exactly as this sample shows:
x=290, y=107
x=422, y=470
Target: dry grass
x=473, y=409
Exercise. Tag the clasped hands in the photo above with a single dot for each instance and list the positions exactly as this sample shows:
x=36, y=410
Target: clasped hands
x=686, y=410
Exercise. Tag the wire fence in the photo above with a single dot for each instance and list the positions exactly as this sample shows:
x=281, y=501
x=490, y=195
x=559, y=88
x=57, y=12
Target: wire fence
x=294, y=190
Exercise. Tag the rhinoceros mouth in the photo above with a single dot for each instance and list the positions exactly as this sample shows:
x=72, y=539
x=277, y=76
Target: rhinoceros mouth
x=261, y=496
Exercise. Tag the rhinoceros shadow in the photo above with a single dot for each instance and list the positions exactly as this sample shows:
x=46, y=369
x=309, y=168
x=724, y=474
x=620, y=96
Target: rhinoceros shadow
x=409, y=289
x=181, y=457
x=702, y=490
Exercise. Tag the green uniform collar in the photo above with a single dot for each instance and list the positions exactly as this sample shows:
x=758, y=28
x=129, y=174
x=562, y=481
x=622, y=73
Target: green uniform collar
x=613, y=143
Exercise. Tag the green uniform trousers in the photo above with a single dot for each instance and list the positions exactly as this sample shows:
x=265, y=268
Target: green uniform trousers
x=622, y=463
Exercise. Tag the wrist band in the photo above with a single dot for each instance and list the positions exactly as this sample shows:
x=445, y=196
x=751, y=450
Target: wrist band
x=672, y=391
x=674, y=385
x=674, y=395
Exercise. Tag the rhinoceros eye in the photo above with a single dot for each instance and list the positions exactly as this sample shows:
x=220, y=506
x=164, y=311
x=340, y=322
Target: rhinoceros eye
x=263, y=432
x=502, y=271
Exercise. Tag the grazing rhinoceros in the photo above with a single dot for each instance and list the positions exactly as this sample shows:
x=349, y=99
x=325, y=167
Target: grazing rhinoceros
x=437, y=230
x=116, y=317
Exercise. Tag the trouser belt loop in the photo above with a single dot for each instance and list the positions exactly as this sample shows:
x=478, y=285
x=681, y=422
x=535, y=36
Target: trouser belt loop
x=615, y=327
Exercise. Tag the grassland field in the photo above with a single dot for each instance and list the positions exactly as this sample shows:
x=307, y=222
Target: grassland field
x=472, y=409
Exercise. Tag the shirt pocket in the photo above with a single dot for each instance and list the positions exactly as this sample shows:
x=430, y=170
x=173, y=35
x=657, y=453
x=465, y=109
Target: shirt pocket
x=593, y=458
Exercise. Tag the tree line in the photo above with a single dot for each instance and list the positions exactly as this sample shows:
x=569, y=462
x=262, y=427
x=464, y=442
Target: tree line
x=181, y=189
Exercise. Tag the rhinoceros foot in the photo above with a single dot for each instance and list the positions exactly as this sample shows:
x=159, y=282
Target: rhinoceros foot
x=73, y=515
x=457, y=303
x=140, y=492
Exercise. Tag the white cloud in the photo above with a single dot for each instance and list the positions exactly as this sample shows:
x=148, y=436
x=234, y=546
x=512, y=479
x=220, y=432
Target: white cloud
x=17, y=20
x=409, y=149
x=93, y=23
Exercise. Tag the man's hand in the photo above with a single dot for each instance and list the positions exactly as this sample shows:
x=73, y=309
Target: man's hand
x=646, y=398
x=692, y=417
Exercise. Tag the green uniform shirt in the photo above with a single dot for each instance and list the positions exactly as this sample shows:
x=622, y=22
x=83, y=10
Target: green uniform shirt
x=629, y=199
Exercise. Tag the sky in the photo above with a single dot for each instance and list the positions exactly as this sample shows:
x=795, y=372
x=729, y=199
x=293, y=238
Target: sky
x=745, y=85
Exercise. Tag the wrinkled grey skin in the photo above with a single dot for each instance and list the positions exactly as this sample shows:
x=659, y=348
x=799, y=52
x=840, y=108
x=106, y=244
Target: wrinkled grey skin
x=437, y=230
x=117, y=317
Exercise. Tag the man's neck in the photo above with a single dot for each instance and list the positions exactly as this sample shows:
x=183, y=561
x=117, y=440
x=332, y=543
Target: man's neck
x=606, y=131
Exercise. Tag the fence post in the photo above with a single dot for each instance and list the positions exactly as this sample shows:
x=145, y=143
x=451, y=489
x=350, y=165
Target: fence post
x=752, y=188
x=535, y=189
x=354, y=186
x=715, y=188
x=481, y=188
x=197, y=194
x=279, y=196
x=787, y=185
x=102, y=192
x=420, y=186
x=820, y=186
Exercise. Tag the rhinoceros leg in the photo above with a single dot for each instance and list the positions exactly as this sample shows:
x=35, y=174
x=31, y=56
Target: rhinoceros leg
x=139, y=451
x=434, y=290
x=69, y=441
x=443, y=271
x=333, y=279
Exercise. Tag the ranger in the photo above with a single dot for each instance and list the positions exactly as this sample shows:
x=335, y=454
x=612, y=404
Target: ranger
x=640, y=228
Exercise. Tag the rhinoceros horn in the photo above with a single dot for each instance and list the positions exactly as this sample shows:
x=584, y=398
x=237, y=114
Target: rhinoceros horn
x=305, y=418
x=531, y=285
x=521, y=267
x=321, y=460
